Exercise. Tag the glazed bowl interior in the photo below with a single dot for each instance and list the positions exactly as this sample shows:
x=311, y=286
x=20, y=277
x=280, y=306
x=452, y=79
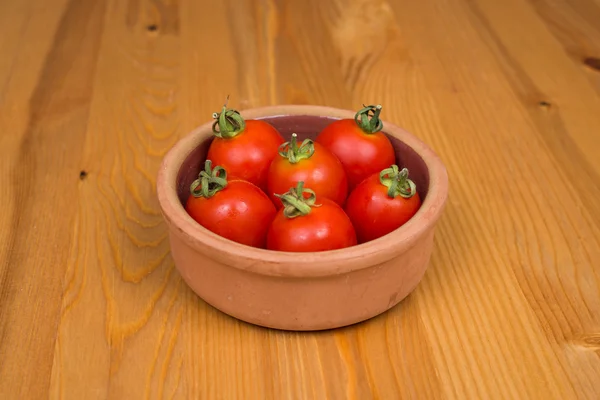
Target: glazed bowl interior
x=183, y=163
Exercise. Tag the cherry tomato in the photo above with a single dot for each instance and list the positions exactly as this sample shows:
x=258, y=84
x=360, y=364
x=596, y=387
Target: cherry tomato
x=359, y=144
x=235, y=209
x=310, y=163
x=244, y=148
x=302, y=225
x=382, y=203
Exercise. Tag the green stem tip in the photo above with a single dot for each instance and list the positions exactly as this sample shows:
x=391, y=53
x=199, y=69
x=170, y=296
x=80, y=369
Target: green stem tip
x=229, y=122
x=295, y=203
x=295, y=153
x=397, y=182
x=209, y=181
x=367, y=118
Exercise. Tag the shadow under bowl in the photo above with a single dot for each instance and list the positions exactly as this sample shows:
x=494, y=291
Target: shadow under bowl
x=301, y=291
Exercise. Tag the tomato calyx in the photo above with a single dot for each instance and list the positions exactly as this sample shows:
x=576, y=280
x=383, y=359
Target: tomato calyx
x=295, y=153
x=367, y=118
x=209, y=182
x=295, y=204
x=397, y=182
x=229, y=122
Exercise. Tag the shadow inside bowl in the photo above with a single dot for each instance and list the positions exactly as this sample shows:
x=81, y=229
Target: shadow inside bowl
x=305, y=126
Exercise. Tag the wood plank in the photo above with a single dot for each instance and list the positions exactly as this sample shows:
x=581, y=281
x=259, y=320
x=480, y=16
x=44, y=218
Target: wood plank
x=45, y=106
x=119, y=264
x=474, y=95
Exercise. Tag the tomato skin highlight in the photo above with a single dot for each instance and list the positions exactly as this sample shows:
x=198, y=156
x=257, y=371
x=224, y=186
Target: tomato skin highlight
x=325, y=228
x=361, y=153
x=322, y=172
x=373, y=213
x=248, y=155
x=241, y=212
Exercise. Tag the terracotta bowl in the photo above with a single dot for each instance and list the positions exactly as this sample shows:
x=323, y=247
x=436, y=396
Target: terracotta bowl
x=301, y=291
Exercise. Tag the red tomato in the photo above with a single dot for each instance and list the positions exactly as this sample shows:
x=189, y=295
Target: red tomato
x=244, y=148
x=359, y=144
x=310, y=163
x=301, y=225
x=382, y=203
x=235, y=209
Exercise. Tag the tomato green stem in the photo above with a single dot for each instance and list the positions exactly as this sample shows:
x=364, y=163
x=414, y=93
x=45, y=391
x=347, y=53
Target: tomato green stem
x=397, y=182
x=293, y=153
x=229, y=122
x=209, y=181
x=367, y=118
x=295, y=203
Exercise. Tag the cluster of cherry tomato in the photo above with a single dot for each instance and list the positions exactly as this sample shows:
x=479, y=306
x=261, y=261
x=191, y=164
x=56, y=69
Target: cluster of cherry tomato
x=341, y=189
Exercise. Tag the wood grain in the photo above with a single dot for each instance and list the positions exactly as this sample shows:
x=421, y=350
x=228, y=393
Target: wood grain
x=94, y=93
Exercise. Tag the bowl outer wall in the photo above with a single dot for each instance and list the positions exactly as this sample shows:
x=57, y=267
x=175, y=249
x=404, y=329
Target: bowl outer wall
x=308, y=303
x=289, y=264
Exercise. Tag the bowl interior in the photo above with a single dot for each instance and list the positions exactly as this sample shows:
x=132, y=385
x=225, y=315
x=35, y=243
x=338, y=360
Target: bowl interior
x=305, y=126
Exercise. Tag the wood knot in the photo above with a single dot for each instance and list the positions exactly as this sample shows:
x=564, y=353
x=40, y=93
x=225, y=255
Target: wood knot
x=592, y=62
x=544, y=104
x=152, y=28
x=82, y=175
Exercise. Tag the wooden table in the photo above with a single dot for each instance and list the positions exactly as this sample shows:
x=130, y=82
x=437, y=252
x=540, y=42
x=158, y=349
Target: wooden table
x=93, y=93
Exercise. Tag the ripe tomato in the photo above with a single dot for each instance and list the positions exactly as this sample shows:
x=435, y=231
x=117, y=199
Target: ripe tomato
x=310, y=163
x=359, y=144
x=244, y=148
x=382, y=203
x=301, y=225
x=235, y=209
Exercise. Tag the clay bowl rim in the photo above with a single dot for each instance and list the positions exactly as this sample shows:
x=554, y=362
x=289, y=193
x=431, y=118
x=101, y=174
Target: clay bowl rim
x=290, y=264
